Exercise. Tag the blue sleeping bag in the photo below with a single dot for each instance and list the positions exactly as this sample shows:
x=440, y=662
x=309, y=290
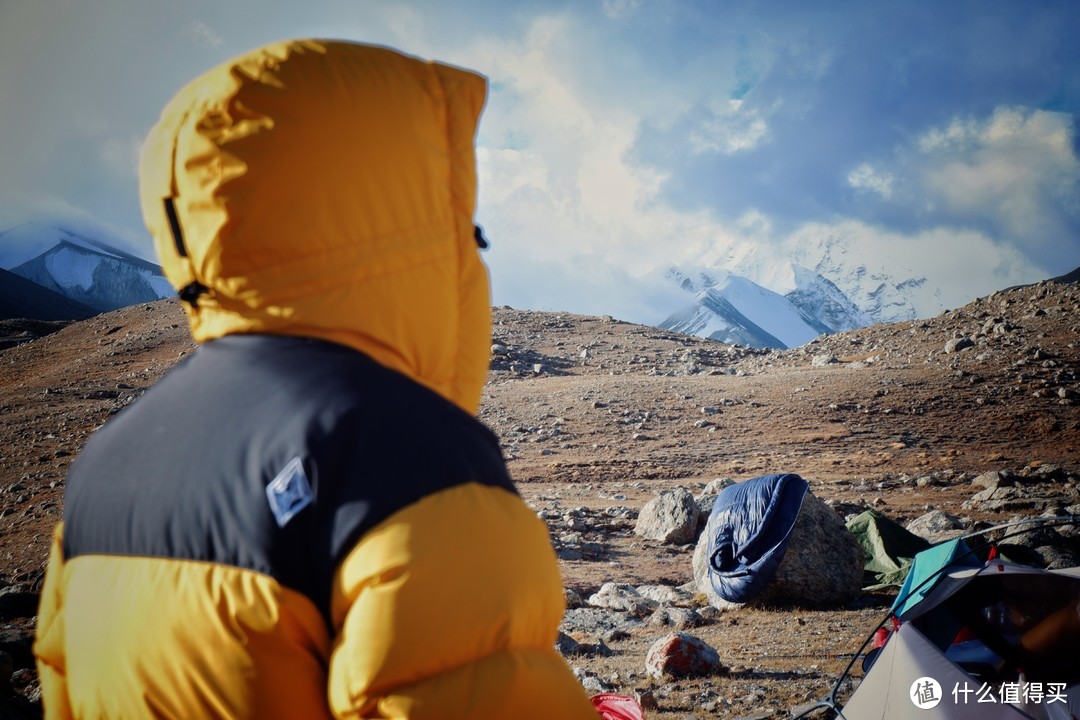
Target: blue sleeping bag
x=749, y=529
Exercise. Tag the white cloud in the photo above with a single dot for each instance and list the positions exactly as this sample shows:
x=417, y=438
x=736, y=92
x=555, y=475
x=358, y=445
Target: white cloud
x=577, y=225
x=121, y=155
x=577, y=99
x=731, y=128
x=865, y=177
x=571, y=217
x=1017, y=167
x=203, y=34
x=958, y=264
x=616, y=9
x=754, y=224
x=504, y=174
x=406, y=23
x=16, y=208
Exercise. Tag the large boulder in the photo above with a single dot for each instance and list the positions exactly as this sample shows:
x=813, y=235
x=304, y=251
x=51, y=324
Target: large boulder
x=671, y=517
x=707, y=498
x=822, y=566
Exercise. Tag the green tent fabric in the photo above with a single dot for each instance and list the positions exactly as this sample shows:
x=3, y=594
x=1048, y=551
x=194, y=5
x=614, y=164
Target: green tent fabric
x=889, y=549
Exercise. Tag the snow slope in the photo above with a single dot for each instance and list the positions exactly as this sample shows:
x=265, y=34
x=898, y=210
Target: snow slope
x=81, y=268
x=733, y=309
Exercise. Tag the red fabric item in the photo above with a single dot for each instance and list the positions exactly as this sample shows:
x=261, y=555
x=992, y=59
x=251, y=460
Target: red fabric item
x=617, y=707
x=964, y=635
x=881, y=636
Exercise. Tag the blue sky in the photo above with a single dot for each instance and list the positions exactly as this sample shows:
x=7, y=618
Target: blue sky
x=624, y=135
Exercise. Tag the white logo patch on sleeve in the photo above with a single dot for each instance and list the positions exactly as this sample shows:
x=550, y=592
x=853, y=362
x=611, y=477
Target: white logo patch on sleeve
x=289, y=492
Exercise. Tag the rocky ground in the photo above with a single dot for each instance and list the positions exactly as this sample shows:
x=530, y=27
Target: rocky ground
x=597, y=417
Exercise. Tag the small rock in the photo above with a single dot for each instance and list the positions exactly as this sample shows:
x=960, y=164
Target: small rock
x=1045, y=473
x=681, y=655
x=102, y=395
x=958, y=344
x=1057, y=558
x=811, y=710
x=709, y=614
x=615, y=635
x=993, y=479
x=594, y=622
x=566, y=645
x=997, y=493
x=716, y=486
x=936, y=526
x=678, y=618
x=592, y=682
x=646, y=699
x=622, y=597
x=666, y=594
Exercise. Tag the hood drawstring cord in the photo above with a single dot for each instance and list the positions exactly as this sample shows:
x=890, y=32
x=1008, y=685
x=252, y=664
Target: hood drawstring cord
x=189, y=293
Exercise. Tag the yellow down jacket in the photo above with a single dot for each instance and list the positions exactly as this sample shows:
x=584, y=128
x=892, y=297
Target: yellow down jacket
x=304, y=519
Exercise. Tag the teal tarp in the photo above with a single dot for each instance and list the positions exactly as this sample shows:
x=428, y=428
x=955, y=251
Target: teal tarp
x=929, y=562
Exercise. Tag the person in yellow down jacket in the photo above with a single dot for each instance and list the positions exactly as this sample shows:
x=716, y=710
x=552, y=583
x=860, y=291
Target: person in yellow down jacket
x=304, y=519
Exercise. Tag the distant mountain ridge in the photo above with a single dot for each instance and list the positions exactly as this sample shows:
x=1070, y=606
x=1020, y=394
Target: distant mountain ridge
x=821, y=299
x=734, y=309
x=884, y=289
x=888, y=292
x=713, y=316
x=84, y=269
x=22, y=298
x=1071, y=277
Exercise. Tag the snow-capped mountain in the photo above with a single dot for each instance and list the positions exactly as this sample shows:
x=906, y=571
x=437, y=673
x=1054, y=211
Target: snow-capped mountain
x=885, y=295
x=878, y=281
x=888, y=290
x=819, y=298
x=733, y=309
x=79, y=267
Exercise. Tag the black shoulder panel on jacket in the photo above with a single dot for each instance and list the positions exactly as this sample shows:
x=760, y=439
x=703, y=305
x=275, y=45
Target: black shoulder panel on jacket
x=183, y=472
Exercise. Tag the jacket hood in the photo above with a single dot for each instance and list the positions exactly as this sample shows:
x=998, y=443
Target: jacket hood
x=327, y=189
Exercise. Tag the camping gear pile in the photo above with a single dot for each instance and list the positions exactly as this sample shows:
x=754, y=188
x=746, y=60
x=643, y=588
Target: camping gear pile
x=974, y=637
x=971, y=634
